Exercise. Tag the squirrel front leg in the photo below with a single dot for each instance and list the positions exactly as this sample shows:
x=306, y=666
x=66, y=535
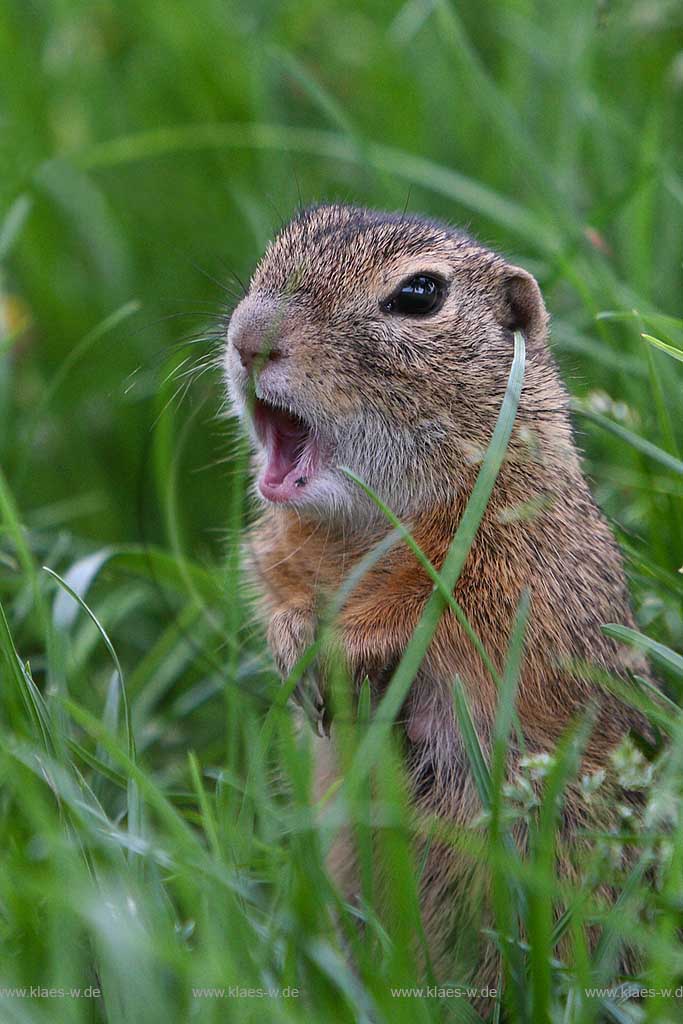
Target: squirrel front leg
x=376, y=631
x=371, y=637
x=291, y=631
x=375, y=637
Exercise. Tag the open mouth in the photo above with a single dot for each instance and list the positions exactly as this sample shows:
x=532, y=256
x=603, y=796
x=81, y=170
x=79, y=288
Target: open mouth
x=291, y=452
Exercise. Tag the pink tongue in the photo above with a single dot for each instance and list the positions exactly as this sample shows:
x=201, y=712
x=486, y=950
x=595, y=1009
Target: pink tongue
x=283, y=454
x=285, y=447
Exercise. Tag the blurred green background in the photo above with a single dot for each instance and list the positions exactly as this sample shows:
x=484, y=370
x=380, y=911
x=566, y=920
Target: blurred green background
x=551, y=130
x=149, y=150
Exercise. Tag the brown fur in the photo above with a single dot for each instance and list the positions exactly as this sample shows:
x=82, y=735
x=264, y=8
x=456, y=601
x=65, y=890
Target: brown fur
x=410, y=405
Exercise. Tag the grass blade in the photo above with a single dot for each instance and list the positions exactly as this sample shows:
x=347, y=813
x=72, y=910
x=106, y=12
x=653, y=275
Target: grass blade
x=470, y=738
x=671, y=350
x=452, y=567
x=634, y=440
x=663, y=654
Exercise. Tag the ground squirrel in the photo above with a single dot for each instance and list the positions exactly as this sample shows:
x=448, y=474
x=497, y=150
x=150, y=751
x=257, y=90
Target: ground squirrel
x=382, y=342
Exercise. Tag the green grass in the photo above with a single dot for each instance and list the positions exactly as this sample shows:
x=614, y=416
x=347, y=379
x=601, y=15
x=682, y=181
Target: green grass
x=159, y=833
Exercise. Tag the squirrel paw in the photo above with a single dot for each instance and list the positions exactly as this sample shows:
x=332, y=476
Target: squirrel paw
x=309, y=698
x=290, y=633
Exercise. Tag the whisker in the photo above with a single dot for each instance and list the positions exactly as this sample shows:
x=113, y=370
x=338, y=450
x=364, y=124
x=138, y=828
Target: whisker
x=219, y=284
x=235, y=276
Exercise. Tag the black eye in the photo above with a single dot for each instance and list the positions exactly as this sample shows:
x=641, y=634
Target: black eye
x=416, y=297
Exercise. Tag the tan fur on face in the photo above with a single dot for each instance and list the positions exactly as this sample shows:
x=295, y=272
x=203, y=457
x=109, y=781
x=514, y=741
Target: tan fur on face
x=410, y=404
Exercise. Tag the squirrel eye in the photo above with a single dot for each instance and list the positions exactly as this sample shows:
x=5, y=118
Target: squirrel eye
x=416, y=297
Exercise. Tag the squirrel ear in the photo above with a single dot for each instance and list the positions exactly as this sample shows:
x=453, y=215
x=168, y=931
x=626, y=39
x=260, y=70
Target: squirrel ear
x=523, y=307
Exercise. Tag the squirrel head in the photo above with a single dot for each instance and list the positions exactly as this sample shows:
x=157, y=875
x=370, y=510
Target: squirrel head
x=380, y=342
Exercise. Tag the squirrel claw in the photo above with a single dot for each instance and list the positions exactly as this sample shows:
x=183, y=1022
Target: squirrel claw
x=307, y=695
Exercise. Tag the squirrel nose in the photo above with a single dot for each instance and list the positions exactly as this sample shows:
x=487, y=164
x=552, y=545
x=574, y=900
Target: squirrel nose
x=255, y=353
x=256, y=340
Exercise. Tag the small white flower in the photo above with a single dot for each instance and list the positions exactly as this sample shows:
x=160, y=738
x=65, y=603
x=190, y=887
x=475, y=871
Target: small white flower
x=662, y=808
x=537, y=765
x=590, y=784
x=633, y=770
